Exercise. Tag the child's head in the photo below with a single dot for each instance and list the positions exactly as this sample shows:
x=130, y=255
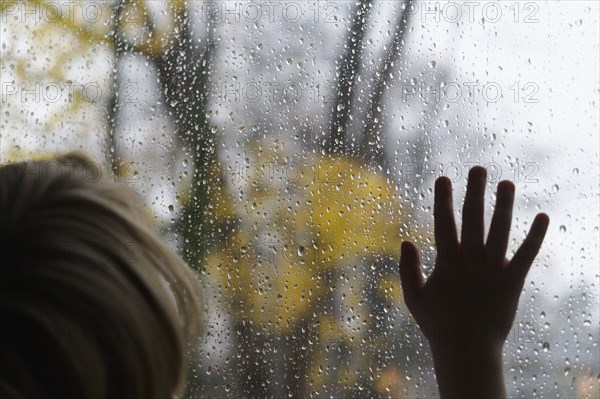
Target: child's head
x=92, y=303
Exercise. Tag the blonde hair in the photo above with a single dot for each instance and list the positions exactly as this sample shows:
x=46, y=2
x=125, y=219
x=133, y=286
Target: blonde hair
x=93, y=303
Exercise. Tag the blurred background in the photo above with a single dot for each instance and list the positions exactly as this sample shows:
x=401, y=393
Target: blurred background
x=286, y=148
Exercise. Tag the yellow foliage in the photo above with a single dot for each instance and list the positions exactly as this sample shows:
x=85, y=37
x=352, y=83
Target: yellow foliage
x=333, y=210
x=347, y=376
x=389, y=382
x=353, y=210
x=320, y=368
x=260, y=285
x=329, y=329
x=16, y=154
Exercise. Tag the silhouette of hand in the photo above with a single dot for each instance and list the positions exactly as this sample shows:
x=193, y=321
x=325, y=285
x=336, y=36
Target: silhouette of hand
x=467, y=305
x=472, y=294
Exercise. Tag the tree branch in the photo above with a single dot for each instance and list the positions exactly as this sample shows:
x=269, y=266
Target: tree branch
x=347, y=76
x=371, y=146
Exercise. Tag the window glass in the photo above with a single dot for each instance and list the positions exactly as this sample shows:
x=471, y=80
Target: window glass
x=286, y=148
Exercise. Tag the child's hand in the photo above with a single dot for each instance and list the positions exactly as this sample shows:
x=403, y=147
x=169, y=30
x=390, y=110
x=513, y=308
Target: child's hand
x=467, y=306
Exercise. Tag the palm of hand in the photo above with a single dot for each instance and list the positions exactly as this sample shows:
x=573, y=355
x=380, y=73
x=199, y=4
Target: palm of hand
x=473, y=291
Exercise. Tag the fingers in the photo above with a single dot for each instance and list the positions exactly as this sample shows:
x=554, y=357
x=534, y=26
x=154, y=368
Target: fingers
x=446, y=238
x=521, y=262
x=471, y=240
x=497, y=241
x=410, y=272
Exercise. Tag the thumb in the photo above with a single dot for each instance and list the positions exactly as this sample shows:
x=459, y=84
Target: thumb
x=410, y=272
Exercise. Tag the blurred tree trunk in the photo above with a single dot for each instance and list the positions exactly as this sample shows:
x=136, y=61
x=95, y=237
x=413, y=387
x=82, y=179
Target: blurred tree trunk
x=372, y=144
x=347, y=75
x=111, y=146
x=184, y=77
x=183, y=73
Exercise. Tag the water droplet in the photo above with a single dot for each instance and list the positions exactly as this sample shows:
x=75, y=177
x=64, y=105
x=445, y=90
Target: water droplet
x=171, y=208
x=562, y=228
x=546, y=347
x=555, y=188
x=576, y=171
x=432, y=64
x=300, y=250
x=340, y=106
